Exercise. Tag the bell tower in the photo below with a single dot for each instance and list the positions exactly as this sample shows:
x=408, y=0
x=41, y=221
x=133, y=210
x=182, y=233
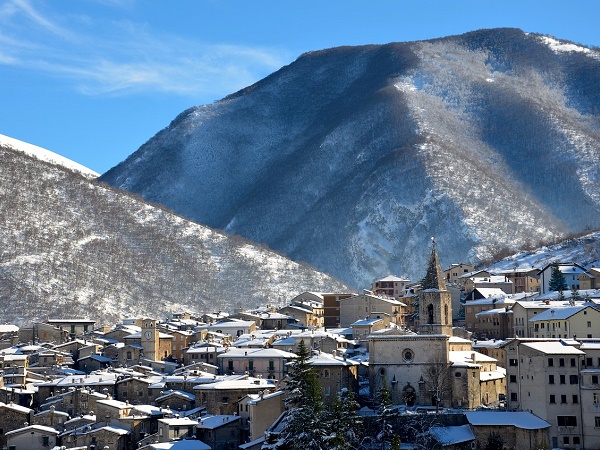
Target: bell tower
x=150, y=339
x=435, y=301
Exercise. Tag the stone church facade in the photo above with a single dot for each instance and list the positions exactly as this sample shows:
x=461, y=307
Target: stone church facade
x=432, y=367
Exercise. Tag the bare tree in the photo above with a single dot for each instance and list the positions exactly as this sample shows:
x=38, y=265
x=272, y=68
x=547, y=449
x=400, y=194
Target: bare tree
x=437, y=380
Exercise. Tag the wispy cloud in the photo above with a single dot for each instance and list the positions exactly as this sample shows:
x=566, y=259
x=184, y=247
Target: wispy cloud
x=112, y=57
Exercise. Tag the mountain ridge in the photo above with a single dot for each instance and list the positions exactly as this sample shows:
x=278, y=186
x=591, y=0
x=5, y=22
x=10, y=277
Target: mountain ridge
x=351, y=158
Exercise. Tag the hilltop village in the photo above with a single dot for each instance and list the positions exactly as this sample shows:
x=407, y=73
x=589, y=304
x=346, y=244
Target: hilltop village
x=479, y=360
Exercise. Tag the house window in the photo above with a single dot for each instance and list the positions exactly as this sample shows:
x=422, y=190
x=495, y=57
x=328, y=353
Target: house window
x=550, y=362
x=513, y=379
x=563, y=379
x=596, y=398
x=597, y=421
x=513, y=396
x=326, y=373
x=552, y=398
x=230, y=364
x=271, y=364
x=573, y=362
x=128, y=355
x=566, y=421
x=575, y=398
x=513, y=362
x=563, y=398
x=45, y=441
x=589, y=362
x=561, y=362
x=574, y=379
x=550, y=379
x=589, y=324
x=251, y=364
x=594, y=379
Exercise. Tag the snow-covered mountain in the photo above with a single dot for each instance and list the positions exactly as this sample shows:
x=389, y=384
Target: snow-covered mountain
x=352, y=158
x=71, y=246
x=583, y=250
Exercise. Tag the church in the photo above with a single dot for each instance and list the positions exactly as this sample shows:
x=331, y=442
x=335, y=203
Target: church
x=434, y=366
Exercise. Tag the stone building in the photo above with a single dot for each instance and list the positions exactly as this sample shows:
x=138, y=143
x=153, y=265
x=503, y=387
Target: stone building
x=433, y=367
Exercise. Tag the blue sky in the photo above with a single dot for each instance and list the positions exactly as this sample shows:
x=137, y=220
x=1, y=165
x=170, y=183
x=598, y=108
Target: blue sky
x=92, y=80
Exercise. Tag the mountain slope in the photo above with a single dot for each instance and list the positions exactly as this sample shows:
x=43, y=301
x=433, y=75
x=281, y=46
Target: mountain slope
x=71, y=246
x=351, y=158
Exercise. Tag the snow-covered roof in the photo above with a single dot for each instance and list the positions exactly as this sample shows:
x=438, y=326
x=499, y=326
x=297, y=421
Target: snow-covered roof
x=366, y=322
x=16, y=407
x=452, y=434
x=40, y=428
x=111, y=429
x=492, y=312
x=392, y=278
x=518, y=419
x=237, y=382
x=234, y=352
x=325, y=359
x=212, y=422
x=178, y=421
x=560, y=313
x=177, y=393
x=186, y=444
x=553, y=348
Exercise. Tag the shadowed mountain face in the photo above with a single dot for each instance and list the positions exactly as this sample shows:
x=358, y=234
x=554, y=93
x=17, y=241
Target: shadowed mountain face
x=352, y=158
x=72, y=247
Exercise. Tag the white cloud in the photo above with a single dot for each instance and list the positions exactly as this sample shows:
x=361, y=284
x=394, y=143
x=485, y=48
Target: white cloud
x=100, y=57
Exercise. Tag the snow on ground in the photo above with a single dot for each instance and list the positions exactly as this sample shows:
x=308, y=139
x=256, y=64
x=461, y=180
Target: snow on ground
x=46, y=155
x=582, y=251
x=558, y=46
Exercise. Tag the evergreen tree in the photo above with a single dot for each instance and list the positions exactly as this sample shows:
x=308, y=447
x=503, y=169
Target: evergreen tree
x=495, y=442
x=304, y=427
x=344, y=425
x=557, y=279
x=575, y=297
x=386, y=415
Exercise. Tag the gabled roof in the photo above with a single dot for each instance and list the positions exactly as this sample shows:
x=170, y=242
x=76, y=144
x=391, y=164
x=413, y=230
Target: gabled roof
x=31, y=428
x=565, y=266
x=560, y=313
x=391, y=278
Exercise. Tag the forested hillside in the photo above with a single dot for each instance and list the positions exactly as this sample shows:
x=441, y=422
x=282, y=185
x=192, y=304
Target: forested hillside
x=75, y=247
x=351, y=158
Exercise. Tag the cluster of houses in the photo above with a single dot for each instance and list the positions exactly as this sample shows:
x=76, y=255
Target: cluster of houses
x=496, y=352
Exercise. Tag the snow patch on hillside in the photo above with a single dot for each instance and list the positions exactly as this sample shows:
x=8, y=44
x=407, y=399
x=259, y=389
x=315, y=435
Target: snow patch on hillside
x=46, y=155
x=558, y=46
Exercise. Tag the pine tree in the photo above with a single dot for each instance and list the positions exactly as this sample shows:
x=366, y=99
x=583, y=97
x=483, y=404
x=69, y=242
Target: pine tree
x=557, y=279
x=386, y=413
x=344, y=425
x=575, y=296
x=495, y=442
x=304, y=427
